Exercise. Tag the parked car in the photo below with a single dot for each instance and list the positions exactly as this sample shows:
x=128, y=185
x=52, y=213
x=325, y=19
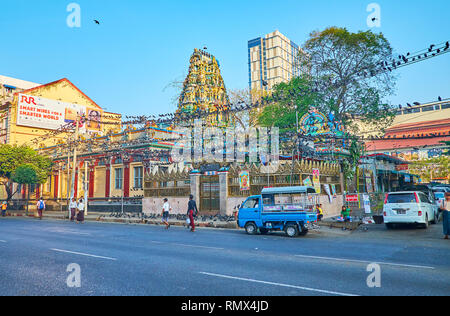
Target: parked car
x=289, y=209
x=409, y=207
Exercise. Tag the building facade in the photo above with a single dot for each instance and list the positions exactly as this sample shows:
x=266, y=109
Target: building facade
x=272, y=59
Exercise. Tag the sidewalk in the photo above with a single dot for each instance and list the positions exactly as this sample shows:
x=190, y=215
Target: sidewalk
x=327, y=225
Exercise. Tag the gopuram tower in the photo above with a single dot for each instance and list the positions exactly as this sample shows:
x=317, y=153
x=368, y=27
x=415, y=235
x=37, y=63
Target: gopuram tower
x=204, y=91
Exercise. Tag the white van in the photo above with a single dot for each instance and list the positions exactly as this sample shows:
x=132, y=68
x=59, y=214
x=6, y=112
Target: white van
x=409, y=207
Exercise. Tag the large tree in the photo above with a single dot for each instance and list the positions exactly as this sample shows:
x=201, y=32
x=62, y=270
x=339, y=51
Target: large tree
x=350, y=68
x=11, y=157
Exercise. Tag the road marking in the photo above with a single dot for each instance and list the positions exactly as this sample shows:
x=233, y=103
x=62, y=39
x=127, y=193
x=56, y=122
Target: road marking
x=278, y=284
x=364, y=261
x=3, y=241
x=185, y=245
x=83, y=254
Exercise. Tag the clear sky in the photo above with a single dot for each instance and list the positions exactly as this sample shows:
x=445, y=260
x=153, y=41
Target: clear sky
x=141, y=46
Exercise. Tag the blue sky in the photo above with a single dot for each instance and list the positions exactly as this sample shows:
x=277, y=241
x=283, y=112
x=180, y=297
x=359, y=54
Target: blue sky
x=141, y=46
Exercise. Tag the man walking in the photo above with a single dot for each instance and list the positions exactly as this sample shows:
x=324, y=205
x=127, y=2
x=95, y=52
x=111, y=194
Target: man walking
x=192, y=212
x=73, y=209
x=165, y=213
x=4, y=207
x=40, y=207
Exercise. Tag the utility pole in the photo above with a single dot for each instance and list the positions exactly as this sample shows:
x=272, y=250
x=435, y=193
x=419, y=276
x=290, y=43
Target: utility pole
x=74, y=170
x=86, y=187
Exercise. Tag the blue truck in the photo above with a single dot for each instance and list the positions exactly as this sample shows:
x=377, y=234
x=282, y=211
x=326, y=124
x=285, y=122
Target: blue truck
x=289, y=209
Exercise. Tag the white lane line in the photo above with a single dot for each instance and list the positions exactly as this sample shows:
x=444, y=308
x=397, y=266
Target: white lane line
x=364, y=261
x=83, y=254
x=278, y=284
x=185, y=245
x=3, y=241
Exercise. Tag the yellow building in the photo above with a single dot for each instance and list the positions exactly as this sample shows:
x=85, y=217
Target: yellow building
x=32, y=114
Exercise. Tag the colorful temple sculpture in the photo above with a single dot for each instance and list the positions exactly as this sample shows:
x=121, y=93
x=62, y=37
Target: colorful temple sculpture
x=204, y=90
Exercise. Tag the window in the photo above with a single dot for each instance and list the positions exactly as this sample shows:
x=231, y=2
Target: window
x=428, y=108
x=138, y=177
x=252, y=203
x=446, y=106
x=424, y=198
x=401, y=198
x=119, y=178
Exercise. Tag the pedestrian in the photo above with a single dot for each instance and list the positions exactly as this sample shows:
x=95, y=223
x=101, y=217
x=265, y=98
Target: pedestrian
x=345, y=213
x=319, y=212
x=4, y=207
x=73, y=209
x=80, y=215
x=166, y=212
x=40, y=207
x=446, y=215
x=192, y=212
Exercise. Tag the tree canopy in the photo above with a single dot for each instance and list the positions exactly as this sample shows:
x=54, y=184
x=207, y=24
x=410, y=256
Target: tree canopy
x=11, y=157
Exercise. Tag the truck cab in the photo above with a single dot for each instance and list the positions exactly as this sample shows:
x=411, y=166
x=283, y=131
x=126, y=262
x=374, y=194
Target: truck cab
x=289, y=209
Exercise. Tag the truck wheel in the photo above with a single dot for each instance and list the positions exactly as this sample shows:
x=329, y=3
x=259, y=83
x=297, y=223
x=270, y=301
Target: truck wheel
x=304, y=232
x=263, y=231
x=291, y=230
x=251, y=228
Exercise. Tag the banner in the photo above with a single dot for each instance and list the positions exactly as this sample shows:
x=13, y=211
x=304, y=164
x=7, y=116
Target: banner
x=366, y=199
x=244, y=181
x=328, y=191
x=33, y=111
x=316, y=180
x=307, y=182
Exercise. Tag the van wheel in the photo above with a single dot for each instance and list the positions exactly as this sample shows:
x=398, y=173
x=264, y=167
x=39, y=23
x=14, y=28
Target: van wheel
x=251, y=228
x=291, y=230
x=263, y=231
x=436, y=219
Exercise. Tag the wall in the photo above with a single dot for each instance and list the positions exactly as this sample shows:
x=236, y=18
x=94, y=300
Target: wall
x=154, y=205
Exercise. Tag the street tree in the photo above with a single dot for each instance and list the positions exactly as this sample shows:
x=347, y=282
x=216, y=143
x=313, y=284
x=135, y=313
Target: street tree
x=26, y=174
x=11, y=157
x=347, y=68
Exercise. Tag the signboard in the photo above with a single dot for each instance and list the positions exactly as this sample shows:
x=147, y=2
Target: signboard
x=366, y=201
x=33, y=111
x=316, y=180
x=244, y=181
x=307, y=182
x=351, y=198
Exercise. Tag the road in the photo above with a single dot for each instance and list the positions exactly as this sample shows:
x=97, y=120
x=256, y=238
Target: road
x=117, y=259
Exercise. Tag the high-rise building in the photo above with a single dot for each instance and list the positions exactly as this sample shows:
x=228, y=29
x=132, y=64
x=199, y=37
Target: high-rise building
x=272, y=59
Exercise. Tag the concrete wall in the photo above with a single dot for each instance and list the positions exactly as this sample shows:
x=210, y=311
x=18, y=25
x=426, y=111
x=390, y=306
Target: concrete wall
x=154, y=205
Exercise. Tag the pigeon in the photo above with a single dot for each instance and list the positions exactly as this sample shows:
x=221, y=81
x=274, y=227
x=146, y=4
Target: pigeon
x=97, y=22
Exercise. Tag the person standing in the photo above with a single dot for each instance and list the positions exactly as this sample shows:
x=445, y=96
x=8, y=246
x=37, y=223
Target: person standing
x=166, y=212
x=192, y=212
x=319, y=212
x=446, y=216
x=73, y=209
x=40, y=207
x=4, y=208
x=80, y=215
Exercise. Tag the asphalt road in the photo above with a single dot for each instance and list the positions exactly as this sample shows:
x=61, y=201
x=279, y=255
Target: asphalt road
x=119, y=259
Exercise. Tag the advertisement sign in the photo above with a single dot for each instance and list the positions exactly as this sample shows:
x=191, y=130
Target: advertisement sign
x=316, y=180
x=333, y=190
x=351, y=198
x=307, y=182
x=366, y=201
x=244, y=181
x=33, y=111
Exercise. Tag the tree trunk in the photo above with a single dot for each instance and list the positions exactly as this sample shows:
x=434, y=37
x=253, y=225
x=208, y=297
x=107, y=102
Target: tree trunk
x=28, y=198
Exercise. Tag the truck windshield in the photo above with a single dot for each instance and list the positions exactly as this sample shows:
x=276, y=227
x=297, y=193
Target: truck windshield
x=402, y=198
